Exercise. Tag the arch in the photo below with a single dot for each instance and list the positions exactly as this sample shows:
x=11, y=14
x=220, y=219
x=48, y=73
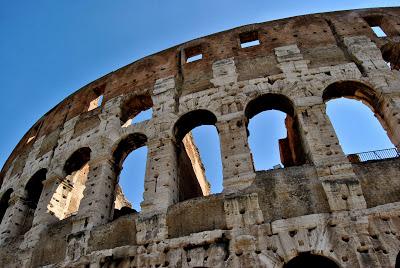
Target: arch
x=4, y=203
x=69, y=193
x=397, y=263
x=310, y=261
x=125, y=147
x=291, y=147
x=77, y=160
x=269, y=101
x=353, y=90
x=33, y=189
x=360, y=91
x=132, y=106
x=193, y=119
x=192, y=181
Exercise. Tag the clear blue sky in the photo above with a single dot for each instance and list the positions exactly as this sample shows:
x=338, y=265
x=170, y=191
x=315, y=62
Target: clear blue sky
x=49, y=49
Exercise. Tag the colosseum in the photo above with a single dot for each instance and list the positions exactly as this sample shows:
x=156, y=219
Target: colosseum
x=60, y=200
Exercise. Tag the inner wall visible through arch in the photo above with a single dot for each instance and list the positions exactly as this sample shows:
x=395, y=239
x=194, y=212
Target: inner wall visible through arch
x=357, y=128
x=207, y=141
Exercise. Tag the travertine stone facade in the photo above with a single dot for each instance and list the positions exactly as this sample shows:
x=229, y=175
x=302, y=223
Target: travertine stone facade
x=61, y=205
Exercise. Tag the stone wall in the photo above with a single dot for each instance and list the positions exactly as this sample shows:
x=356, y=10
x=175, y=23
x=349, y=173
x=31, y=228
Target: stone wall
x=320, y=204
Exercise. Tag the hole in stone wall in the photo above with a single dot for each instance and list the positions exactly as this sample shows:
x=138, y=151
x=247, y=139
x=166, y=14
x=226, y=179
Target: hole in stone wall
x=130, y=158
x=129, y=191
x=136, y=109
x=4, y=203
x=142, y=116
x=310, y=260
x=192, y=179
x=34, y=189
x=97, y=98
x=273, y=133
x=356, y=126
x=376, y=24
x=249, y=39
x=68, y=195
x=378, y=31
x=193, y=54
x=266, y=129
x=206, y=140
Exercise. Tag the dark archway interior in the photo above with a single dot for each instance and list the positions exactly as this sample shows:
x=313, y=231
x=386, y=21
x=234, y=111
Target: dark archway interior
x=34, y=188
x=397, y=265
x=4, y=203
x=77, y=160
x=307, y=260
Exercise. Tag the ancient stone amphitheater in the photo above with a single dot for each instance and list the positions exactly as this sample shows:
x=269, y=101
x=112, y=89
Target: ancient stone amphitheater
x=61, y=204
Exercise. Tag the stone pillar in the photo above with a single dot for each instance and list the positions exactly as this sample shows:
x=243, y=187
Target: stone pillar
x=14, y=218
x=391, y=113
x=161, y=182
x=98, y=201
x=321, y=144
x=319, y=138
x=237, y=161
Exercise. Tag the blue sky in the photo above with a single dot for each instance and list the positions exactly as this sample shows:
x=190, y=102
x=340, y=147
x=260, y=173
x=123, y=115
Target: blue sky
x=49, y=49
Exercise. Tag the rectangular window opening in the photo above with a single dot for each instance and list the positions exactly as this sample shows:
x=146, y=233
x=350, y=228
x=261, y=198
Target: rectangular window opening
x=193, y=54
x=378, y=31
x=249, y=39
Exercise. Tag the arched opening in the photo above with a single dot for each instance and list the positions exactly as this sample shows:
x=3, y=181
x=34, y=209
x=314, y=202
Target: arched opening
x=136, y=109
x=273, y=130
x=198, y=155
x=397, y=265
x=310, y=261
x=130, y=159
x=68, y=195
x=356, y=115
x=34, y=189
x=4, y=203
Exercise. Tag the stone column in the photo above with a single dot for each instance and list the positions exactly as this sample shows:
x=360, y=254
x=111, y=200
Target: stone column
x=161, y=180
x=14, y=218
x=98, y=201
x=391, y=113
x=321, y=144
x=237, y=161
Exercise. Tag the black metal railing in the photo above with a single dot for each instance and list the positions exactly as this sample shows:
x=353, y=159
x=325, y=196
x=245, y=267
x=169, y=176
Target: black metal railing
x=374, y=155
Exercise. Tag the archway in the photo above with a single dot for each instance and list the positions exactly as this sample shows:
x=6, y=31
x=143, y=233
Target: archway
x=357, y=115
x=34, y=189
x=194, y=132
x=287, y=144
x=134, y=107
x=4, y=203
x=310, y=261
x=130, y=164
x=69, y=193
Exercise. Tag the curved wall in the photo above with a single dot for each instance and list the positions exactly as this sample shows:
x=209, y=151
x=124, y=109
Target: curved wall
x=320, y=203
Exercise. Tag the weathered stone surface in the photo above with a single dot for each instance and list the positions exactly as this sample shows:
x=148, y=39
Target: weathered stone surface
x=61, y=204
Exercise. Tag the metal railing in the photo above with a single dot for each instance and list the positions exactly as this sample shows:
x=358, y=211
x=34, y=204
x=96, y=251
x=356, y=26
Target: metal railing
x=374, y=155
